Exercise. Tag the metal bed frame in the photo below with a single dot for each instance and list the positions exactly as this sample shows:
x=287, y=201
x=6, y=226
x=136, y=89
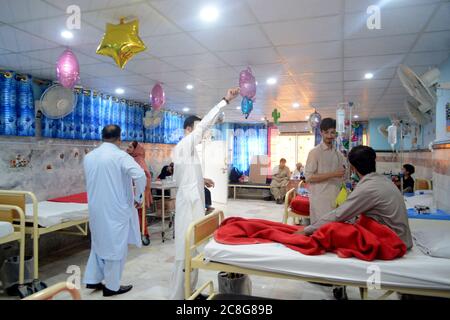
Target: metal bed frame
x=7, y=214
x=18, y=198
x=201, y=231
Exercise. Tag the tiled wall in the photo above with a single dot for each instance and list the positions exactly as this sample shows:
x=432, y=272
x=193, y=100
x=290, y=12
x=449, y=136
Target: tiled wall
x=434, y=166
x=441, y=178
x=422, y=161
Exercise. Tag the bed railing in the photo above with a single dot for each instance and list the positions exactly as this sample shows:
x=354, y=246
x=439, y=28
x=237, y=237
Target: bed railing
x=198, y=233
x=50, y=292
x=4, y=209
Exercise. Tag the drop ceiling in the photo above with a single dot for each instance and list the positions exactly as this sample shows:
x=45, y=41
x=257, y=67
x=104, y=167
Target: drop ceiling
x=319, y=50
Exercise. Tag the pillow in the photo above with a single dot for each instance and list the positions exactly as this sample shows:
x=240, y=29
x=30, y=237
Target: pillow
x=300, y=205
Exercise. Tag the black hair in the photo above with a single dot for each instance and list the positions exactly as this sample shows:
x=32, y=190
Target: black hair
x=409, y=168
x=111, y=133
x=282, y=160
x=363, y=159
x=189, y=122
x=327, y=123
x=134, y=143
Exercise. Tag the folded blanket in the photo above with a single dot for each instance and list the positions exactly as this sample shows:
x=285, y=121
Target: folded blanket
x=366, y=239
x=74, y=198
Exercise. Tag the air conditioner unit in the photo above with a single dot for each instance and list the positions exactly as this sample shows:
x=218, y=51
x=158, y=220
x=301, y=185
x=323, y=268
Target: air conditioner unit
x=294, y=127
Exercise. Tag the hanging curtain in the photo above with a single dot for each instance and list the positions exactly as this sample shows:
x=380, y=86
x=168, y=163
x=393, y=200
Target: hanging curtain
x=25, y=106
x=249, y=140
x=96, y=114
x=8, y=114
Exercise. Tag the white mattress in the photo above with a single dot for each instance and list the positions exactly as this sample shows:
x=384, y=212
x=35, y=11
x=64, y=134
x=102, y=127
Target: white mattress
x=414, y=270
x=52, y=213
x=6, y=229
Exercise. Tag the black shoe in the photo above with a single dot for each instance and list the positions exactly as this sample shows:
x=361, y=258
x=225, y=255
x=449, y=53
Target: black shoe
x=109, y=293
x=97, y=286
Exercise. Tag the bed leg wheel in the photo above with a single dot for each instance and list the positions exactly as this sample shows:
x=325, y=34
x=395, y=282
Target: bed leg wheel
x=340, y=293
x=24, y=291
x=38, y=285
x=145, y=240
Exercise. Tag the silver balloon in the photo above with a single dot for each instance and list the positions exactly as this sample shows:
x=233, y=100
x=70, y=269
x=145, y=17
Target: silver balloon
x=314, y=120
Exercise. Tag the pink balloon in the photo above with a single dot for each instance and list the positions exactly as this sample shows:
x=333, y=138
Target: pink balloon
x=68, y=69
x=157, y=97
x=247, y=83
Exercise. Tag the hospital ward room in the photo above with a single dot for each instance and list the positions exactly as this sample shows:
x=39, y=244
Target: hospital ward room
x=225, y=150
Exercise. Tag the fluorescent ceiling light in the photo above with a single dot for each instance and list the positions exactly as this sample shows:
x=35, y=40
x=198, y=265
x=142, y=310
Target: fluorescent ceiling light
x=186, y=109
x=296, y=105
x=209, y=14
x=368, y=75
x=271, y=81
x=238, y=108
x=66, y=34
x=120, y=91
x=189, y=87
x=356, y=116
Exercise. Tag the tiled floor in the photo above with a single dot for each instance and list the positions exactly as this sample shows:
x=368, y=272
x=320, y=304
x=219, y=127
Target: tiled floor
x=149, y=269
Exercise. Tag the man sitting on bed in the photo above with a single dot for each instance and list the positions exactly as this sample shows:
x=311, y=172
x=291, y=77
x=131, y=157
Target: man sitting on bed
x=375, y=196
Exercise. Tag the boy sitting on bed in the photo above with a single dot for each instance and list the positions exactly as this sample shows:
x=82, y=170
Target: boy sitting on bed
x=375, y=196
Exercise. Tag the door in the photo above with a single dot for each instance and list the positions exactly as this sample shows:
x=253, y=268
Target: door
x=215, y=167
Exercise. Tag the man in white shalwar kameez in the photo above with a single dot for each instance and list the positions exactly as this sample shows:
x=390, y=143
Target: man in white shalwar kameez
x=190, y=199
x=113, y=219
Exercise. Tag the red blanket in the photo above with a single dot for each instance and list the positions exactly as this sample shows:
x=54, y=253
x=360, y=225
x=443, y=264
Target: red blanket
x=366, y=239
x=74, y=198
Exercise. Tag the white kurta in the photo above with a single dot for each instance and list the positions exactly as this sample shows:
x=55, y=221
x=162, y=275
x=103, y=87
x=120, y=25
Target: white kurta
x=190, y=199
x=113, y=219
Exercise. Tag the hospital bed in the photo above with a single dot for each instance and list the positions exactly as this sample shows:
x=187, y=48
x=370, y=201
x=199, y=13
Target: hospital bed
x=46, y=217
x=10, y=233
x=415, y=273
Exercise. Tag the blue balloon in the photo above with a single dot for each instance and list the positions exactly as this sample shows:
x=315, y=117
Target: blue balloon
x=246, y=106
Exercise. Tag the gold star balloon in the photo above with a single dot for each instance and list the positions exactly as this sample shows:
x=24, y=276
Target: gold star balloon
x=121, y=42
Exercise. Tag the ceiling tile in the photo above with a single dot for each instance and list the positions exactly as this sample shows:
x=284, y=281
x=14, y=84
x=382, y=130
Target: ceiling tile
x=26, y=10
x=250, y=56
x=52, y=55
x=440, y=20
x=362, y=5
x=17, y=41
x=386, y=73
x=274, y=10
x=393, y=22
x=433, y=41
x=190, y=62
x=171, y=77
x=149, y=66
x=312, y=51
x=186, y=13
x=319, y=77
x=89, y=5
x=427, y=59
x=366, y=84
x=18, y=62
x=373, y=63
x=379, y=46
x=151, y=23
x=224, y=39
x=328, y=65
x=50, y=29
x=299, y=31
x=173, y=45
x=103, y=70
